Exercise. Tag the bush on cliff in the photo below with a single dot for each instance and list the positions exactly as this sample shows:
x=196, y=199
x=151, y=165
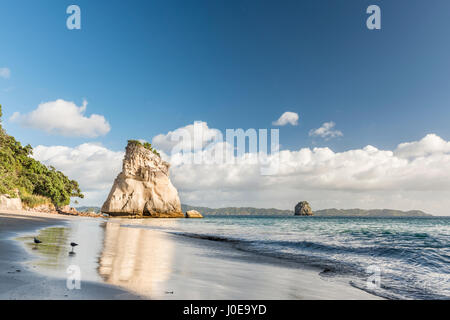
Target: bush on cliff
x=146, y=145
x=34, y=181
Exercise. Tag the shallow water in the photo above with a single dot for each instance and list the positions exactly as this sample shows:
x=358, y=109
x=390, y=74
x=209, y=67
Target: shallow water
x=54, y=255
x=413, y=254
x=154, y=264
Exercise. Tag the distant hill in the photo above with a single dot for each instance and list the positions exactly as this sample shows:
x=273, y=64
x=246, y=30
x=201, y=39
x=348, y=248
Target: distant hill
x=370, y=213
x=249, y=211
x=218, y=212
x=244, y=211
x=88, y=209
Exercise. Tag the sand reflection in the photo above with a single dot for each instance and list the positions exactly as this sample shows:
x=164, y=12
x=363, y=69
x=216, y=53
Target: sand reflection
x=136, y=258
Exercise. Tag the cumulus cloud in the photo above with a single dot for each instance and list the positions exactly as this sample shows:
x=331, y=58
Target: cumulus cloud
x=193, y=140
x=64, y=118
x=92, y=165
x=287, y=118
x=326, y=131
x=365, y=178
x=5, y=73
x=430, y=144
x=415, y=175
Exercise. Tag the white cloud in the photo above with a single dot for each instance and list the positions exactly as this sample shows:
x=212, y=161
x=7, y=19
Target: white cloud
x=64, y=118
x=166, y=142
x=5, y=73
x=92, y=165
x=287, y=118
x=364, y=178
x=326, y=131
x=430, y=144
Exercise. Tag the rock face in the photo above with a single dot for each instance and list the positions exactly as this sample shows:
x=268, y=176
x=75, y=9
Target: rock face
x=143, y=188
x=303, y=209
x=8, y=203
x=193, y=214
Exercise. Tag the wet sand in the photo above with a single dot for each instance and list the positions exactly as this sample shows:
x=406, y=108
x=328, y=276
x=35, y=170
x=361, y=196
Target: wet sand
x=119, y=260
x=19, y=279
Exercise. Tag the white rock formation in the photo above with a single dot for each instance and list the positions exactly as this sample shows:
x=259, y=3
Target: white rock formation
x=8, y=203
x=193, y=214
x=143, y=188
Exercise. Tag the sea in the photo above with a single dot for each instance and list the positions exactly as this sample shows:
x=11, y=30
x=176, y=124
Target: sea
x=393, y=257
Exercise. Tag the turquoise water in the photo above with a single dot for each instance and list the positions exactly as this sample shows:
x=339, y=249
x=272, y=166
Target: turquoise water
x=413, y=254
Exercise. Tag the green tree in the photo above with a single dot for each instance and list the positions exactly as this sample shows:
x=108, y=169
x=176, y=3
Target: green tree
x=20, y=173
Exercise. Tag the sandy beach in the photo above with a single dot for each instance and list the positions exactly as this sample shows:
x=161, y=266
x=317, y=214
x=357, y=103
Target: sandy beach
x=20, y=280
x=119, y=260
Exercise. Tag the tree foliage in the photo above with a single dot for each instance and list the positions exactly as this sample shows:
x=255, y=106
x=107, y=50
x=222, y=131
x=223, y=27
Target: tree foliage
x=19, y=172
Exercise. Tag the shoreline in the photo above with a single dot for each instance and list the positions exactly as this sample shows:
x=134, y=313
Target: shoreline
x=138, y=263
x=20, y=280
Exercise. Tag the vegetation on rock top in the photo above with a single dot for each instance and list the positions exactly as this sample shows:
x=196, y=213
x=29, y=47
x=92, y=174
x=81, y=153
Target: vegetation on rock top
x=146, y=145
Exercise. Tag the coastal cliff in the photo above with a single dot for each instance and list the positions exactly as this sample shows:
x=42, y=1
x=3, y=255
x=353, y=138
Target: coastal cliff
x=143, y=188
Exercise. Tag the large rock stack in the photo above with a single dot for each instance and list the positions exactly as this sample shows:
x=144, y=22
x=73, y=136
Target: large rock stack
x=143, y=188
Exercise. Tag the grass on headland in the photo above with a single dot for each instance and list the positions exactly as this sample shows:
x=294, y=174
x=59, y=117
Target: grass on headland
x=32, y=201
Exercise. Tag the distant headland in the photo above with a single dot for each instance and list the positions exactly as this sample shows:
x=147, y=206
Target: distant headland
x=251, y=211
x=248, y=211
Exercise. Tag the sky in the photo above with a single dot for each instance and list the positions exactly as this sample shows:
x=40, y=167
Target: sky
x=362, y=114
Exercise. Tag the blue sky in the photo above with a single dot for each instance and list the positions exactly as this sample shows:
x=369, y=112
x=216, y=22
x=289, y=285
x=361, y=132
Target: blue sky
x=154, y=66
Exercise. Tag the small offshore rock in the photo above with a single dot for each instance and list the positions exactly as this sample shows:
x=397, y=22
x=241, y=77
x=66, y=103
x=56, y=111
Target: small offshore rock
x=303, y=209
x=193, y=214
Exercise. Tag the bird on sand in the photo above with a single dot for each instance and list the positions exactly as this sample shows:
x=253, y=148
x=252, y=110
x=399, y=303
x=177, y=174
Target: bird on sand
x=36, y=242
x=73, y=245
